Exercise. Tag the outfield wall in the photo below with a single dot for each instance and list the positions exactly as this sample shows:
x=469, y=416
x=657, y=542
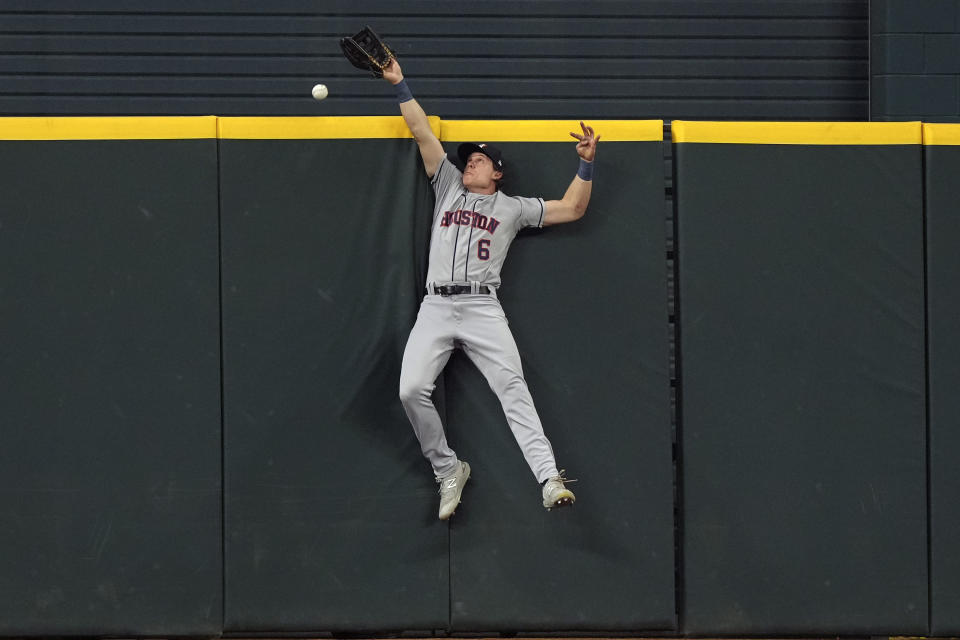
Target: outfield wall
x=206, y=318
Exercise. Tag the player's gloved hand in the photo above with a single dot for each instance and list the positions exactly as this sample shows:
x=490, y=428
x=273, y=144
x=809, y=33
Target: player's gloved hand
x=587, y=145
x=365, y=50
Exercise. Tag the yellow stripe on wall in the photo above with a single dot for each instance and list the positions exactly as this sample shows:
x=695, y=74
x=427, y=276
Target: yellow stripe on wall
x=324, y=127
x=812, y=133
x=361, y=127
x=111, y=128
x=941, y=134
x=548, y=130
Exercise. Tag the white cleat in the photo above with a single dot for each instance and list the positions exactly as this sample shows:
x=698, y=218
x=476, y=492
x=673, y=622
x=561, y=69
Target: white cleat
x=556, y=494
x=450, y=489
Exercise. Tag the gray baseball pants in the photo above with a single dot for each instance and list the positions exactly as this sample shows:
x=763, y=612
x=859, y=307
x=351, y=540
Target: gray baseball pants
x=476, y=324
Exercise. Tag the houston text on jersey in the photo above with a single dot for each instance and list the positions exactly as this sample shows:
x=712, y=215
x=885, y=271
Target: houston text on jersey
x=469, y=219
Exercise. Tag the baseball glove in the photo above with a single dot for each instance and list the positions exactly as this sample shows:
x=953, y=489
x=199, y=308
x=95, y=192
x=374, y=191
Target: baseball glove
x=365, y=50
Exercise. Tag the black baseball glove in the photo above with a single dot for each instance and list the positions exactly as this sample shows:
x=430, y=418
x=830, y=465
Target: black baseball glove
x=367, y=51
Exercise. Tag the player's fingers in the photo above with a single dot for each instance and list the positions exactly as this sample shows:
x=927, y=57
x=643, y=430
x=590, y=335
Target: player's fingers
x=576, y=135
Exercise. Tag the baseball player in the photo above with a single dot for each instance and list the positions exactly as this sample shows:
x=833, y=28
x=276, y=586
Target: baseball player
x=473, y=226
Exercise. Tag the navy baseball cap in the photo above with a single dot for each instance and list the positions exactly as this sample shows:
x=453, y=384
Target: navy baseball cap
x=467, y=148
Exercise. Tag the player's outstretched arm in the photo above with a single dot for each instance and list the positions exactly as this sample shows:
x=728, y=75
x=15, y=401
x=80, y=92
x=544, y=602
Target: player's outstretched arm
x=575, y=200
x=430, y=148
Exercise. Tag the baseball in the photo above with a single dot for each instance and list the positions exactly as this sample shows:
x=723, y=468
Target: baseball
x=319, y=91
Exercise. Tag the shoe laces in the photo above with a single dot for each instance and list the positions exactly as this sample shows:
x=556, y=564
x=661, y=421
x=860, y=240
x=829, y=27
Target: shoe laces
x=559, y=479
x=562, y=478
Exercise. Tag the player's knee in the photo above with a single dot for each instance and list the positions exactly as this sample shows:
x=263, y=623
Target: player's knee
x=511, y=384
x=411, y=391
x=407, y=393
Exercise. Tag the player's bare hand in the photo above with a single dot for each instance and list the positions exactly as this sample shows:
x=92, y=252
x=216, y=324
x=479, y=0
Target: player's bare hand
x=587, y=145
x=392, y=72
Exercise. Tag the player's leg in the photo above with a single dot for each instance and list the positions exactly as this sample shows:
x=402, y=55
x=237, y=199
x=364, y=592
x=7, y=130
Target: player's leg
x=427, y=352
x=488, y=342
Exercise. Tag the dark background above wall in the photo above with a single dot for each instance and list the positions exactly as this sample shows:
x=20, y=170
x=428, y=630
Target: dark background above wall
x=749, y=60
x=915, y=60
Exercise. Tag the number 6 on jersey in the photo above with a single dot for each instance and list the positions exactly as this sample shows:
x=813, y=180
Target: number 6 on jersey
x=483, y=249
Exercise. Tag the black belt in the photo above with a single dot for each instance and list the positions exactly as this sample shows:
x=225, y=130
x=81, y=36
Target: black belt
x=457, y=289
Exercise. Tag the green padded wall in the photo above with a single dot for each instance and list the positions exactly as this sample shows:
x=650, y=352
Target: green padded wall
x=110, y=464
x=587, y=303
x=802, y=378
x=802, y=403
x=330, y=518
x=942, y=166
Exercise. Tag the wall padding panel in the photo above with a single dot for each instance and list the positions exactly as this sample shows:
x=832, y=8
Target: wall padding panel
x=942, y=166
x=587, y=305
x=802, y=378
x=110, y=464
x=330, y=521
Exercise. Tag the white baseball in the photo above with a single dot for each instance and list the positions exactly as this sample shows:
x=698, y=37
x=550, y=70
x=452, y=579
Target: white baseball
x=320, y=91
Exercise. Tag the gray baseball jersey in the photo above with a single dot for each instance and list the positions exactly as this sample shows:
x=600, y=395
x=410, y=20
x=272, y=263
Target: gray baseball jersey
x=473, y=232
